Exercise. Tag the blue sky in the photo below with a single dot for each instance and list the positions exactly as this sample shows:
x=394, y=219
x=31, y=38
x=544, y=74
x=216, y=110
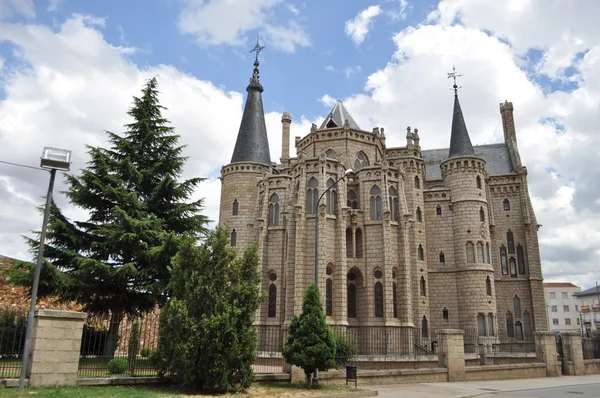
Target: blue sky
x=68, y=70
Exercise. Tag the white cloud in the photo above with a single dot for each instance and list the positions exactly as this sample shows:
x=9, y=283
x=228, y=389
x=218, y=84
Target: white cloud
x=327, y=100
x=349, y=71
x=53, y=5
x=9, y=8
x=218, y=22
x=402, y=11
x=293, y=9
x=358, y=28
x=329, y=68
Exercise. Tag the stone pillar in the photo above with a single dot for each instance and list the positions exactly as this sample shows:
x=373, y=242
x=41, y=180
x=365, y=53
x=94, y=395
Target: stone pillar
x=573, y=352
x=55, y=347
x=452, y=353
x=286, y=121
x=545, y=348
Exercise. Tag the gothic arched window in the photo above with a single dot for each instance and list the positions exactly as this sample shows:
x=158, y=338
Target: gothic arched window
x=481, y=214
x=519, y=330
x=234, y=210
x=510, y=240
x=421, y=253
x=393, y=203
x=272, y=300
x=506, y=205
x=481, y=325
x=361, y=161
x=233, y=241
x=378, y=300
x=351, y=300
x=438, y=210
x=480, y=253
x=478, y=181
x=521, y=259
x=331, y=197
x=419, y=214
x=517, y=305
x=330, y=154
x=470, y=252
x=488, y=286
x=442, y=258
x=375, y=203
x=349, y=243
x=423, y=287
x=510, y=328
x=417, y=182
x=513, y=267
x=424, y=327
x=352, y=199
x=359, y=243
x=329, y=297
x=503, y=260
x=445, y=314
x=491, y=324
x=274, y=210
x=394, y=305
x=312, y=196
x=487, y=253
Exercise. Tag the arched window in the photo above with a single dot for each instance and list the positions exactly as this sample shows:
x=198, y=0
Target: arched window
x=527, y=324
x=421, y=253
x=423, y=286
x=419, y=214
x=480, y=257
x=506, y=205
x=393, y=203
x=487, y=253
x=521, y=259
x=481, y=325
x=519, y=330
x=517, y=305
x=352, y=199
x=349, y=243
x=272, y=300
x=503, y=260
x=375, y=202
x=481, y=214
x=378, y=300
x=351, y=300
x=445, y=314
x=438, y=210
x=296, y=190
x=478, y=180
x=488, y=286
x=234, y=210
x=274, y=210
x=331, y=197
x=442, y=258
x=394, y=305
x=510, y=329
x=359, y=243
x=312, y=196
x=330, y=154
x=233, y=238
x=417, y=182
x=513, y=267
x=361, y=161
x=329, y=297
x=511, y=242
x=424, y=327
x=491, y=324
x=470, y=252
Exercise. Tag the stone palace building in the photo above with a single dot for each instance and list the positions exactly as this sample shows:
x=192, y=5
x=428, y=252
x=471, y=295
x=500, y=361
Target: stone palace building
x=411, y=239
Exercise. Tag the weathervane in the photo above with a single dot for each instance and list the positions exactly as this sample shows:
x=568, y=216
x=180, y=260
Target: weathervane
x=257, y=49
x=453, y=75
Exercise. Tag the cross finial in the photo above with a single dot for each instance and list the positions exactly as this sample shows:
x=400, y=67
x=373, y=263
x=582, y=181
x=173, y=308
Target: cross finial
x=454, y=75
x=257, y=49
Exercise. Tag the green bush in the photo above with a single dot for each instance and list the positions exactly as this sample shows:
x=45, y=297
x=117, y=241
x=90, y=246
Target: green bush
x=345, y=350
x=158, y=362
x=145, y=352
x=134, y=346
x=117, y=366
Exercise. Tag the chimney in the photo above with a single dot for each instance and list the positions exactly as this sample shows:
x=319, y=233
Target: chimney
x=508, y=122
x=286, y=121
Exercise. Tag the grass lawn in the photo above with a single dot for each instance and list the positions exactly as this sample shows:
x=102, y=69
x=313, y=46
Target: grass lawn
x=271, y=390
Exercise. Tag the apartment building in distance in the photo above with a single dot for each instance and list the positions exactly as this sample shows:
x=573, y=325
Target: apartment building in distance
x=588, y=302
x=563, y=306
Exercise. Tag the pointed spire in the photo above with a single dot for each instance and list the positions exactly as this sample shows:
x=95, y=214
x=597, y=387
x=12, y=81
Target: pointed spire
x=338, y=116
x=460, y=142
x=252, y=144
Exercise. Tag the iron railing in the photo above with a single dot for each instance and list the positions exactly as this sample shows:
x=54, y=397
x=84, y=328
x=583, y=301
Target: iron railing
x=591, y=348
x=269, y=347
x=13, y=324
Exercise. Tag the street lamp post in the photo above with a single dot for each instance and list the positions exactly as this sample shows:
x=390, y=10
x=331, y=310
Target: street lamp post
x=52, y=159
x=347, y=172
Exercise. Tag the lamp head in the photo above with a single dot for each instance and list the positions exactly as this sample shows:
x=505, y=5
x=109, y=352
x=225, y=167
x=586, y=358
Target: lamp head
x=348, y=172
x=55, y=158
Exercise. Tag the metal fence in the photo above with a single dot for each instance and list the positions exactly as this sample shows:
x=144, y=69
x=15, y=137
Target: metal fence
x=106, y=342
x=13, y=325
x=270, y=342
x=591, y=348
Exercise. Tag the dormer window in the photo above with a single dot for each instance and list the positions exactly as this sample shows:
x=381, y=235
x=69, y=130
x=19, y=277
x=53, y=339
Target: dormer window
x=331, y=124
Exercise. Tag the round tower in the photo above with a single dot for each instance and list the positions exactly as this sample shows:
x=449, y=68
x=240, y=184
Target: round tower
x=464, y=173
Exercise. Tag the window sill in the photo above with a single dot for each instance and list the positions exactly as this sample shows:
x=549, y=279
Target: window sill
x=275, y=228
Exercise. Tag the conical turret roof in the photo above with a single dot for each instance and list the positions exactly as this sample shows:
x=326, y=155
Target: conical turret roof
x=337, y=117
x=252, y=144
x=460, y=143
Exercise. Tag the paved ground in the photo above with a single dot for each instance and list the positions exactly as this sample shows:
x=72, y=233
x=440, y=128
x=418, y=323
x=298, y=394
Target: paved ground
x=556, y=387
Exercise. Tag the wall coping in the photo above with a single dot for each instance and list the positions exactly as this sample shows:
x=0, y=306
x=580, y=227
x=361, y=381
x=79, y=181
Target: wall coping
x=590, y=361
x=452, y=331
x=544, y=333
x=60, y=314
x=509, y=366
x=383, y=373
x=571, y=333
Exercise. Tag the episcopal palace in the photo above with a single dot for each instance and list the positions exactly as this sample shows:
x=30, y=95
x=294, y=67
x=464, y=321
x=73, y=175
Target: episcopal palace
x=408, y=239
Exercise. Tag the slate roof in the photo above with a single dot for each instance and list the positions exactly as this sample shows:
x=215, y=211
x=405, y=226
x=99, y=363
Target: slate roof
x=496, y=156
x=337, y=117
x=252, y=144
x=592, y=291
x=460, y=143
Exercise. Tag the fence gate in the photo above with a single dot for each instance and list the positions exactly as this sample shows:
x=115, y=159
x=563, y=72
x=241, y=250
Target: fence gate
x=561, y=353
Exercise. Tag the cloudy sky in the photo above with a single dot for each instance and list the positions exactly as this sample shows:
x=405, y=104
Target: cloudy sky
x=69, y=68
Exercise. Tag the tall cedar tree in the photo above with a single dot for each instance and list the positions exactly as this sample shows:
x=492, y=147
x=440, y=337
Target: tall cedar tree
x=310, y=344
x=206, y=337
x=118, y=260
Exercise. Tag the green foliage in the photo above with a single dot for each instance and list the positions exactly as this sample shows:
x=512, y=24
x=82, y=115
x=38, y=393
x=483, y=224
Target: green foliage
x=117, y=261
x=595, y=334
x=158, y=362
x=145, y=352
x=310, y=344
x=117, y=366
x=345, y=349
x=206, y=335
x=133, y=346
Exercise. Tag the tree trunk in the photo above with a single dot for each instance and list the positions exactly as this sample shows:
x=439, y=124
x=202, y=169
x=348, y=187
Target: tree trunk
x=308, y=379
x=113, y=334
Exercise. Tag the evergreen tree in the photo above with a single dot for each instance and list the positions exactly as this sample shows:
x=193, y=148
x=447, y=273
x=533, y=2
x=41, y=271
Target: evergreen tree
x=206, y=335
x=118, y=260
x=310, y=344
